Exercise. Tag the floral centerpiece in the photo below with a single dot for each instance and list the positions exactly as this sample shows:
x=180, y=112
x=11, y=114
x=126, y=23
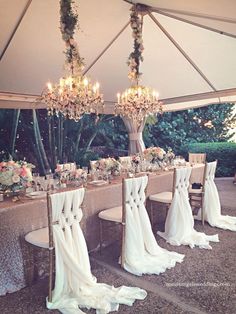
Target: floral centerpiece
x=78, y=176
x=154, y=154
x=108, y=164
x=67, y=173
x=169, y=157
x=15, y=175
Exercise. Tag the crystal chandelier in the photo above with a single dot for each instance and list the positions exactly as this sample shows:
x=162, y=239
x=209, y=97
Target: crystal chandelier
x=137, y=102
x=74, y=95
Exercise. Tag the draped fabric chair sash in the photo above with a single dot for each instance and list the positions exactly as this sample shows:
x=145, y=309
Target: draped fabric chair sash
x=211, y=202
x=179, y=225
x=142, y=253
x=75, y=286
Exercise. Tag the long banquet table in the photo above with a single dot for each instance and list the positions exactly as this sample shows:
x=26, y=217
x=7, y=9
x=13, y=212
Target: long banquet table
x=17, y=219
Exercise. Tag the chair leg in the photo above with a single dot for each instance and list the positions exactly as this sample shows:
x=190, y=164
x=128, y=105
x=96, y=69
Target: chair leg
x=202, y=211
x=31, y=270
x=123, y=246
x=151, y=215
x=100, y=236
x=167, y=208
x=50, y=275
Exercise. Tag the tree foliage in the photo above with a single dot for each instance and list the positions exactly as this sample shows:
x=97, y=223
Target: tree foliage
x=45, y=140
x=175, y=129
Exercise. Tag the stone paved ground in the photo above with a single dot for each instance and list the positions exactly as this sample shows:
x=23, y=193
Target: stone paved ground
x=204, y=283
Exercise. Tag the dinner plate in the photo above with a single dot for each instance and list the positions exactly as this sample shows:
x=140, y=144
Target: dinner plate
x=37, y=194
x=98, y=182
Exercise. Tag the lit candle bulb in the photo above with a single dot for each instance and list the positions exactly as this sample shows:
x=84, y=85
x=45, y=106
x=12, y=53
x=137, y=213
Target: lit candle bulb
x=49, y=85
x=153, y=95
x=139, y=92
x=94, y=89
x=118, y=97
x=85, y=81
x=61, y=82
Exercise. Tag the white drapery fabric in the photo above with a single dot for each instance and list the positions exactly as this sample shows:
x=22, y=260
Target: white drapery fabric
x=75, y=286
x=142, y=253
x=136, y=144
x=179, y=225
x=211, y=202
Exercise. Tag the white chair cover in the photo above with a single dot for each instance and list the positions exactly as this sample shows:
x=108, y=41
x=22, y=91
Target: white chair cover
x=179, y=225
x=142, y=253
x=75, y=286
x=211, y=203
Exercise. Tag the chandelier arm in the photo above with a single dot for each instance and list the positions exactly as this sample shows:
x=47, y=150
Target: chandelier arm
x=106, y=48
x=174, y=42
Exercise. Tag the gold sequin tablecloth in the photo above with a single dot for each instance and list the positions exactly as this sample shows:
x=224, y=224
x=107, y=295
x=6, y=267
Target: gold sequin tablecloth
x=16, y=219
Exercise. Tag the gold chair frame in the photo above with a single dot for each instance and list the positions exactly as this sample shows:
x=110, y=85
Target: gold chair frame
x=122, y=223
x=167, y=205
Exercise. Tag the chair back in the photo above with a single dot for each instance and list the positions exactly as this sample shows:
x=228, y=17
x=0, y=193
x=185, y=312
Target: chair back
x=196, y=158
x=133, y=197
x=125, y=161
x=64, y=210
x=181, y=180
x=92, y=164
x=209, y=173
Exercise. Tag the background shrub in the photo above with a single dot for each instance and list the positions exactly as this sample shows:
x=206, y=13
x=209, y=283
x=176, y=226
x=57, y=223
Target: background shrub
x=224, y=152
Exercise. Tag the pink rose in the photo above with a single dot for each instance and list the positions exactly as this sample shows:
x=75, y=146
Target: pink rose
x=11, y=163
x=23, y=171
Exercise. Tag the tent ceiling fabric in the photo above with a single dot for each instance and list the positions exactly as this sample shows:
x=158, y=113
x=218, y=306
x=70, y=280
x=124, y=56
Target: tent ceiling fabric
x=35, y=54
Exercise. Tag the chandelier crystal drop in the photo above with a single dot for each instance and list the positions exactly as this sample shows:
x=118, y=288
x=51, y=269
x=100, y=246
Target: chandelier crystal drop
x=74, y=95
x=137, y=102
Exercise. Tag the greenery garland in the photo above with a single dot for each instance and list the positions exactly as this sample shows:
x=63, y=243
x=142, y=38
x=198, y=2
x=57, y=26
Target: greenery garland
x=68, y=22
x=136, y=56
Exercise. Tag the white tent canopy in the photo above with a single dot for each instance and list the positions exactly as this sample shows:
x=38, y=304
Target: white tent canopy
x=191, y=61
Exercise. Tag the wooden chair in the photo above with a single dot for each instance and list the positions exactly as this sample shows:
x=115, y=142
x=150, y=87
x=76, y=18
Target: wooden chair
x=92, y=164
x=43, y=237
x=125, y=161
x=117, y=214
x=164, y=198
x=196, y=158
x=196, y=196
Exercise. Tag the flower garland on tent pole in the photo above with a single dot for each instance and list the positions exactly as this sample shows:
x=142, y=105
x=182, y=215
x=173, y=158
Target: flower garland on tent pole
x=74, y=95
x=137, y=102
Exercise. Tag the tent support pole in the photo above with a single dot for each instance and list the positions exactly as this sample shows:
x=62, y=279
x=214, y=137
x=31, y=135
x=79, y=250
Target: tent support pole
x=15, y=29
x=106, y=48
x=194, y=14
x=194, y=23
x=181, y=50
